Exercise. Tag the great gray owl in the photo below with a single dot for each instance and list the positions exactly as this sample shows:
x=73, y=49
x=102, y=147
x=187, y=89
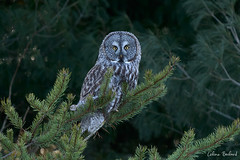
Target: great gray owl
x=121, y=51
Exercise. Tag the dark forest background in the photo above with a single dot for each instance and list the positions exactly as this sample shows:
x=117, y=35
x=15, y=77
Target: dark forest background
x=40, y=37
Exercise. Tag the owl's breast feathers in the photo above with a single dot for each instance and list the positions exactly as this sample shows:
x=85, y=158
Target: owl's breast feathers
x=121, y=73
x=126, y=73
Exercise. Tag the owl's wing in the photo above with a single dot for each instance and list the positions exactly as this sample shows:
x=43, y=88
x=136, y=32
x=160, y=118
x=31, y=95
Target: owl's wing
x=92, y=81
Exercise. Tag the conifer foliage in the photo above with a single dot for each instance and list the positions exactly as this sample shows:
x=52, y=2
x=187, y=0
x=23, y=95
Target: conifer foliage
x=189, y=148
x=55, y=125
x=49, y=126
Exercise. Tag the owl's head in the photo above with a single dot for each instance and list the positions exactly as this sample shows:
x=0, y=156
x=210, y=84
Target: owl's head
x=120, y=46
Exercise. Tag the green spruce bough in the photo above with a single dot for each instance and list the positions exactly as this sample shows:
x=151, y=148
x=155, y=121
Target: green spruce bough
x=57, y=127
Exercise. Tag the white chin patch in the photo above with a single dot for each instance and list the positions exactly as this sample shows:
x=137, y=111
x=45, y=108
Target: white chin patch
x=117, y=61
x=120, y=62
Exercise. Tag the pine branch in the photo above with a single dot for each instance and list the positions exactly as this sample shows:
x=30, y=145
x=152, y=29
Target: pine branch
x=34, y=102
x=74, y=145
x=23, y=150
x=12, y=114
x=6, y=143
x=186, y=140
x=140, y=153
x=135, y=107
x=153, y=154
x=54, y=127
x=48, y=105
x=10, y=134
x=190, y=148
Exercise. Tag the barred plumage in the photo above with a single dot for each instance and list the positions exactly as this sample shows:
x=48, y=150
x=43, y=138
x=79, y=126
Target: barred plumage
x=122, y=52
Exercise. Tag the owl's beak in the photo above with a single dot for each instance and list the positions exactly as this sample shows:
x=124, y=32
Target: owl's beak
x=121, y=58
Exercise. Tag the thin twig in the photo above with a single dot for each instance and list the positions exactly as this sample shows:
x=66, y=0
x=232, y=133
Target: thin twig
x=12, y=80
x=51, y=36
x=233, y=32
x=5, y=156
x=184, y=72
x=18, y=65
x=222, y=114
x=229, y=77
x=211, y=93
x=25, y=115
x=10, y=153
x=234, y=105
x=231, y=28
x=4, y=124
x=211, y=13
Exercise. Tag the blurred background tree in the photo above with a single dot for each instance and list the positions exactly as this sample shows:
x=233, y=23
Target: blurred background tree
x=37, y=38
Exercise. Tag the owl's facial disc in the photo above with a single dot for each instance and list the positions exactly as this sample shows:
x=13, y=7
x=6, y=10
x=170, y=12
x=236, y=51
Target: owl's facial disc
x=120, y=48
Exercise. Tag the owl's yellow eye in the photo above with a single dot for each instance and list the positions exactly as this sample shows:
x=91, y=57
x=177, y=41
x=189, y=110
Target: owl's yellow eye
x=115, y=48
x=126, y=47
